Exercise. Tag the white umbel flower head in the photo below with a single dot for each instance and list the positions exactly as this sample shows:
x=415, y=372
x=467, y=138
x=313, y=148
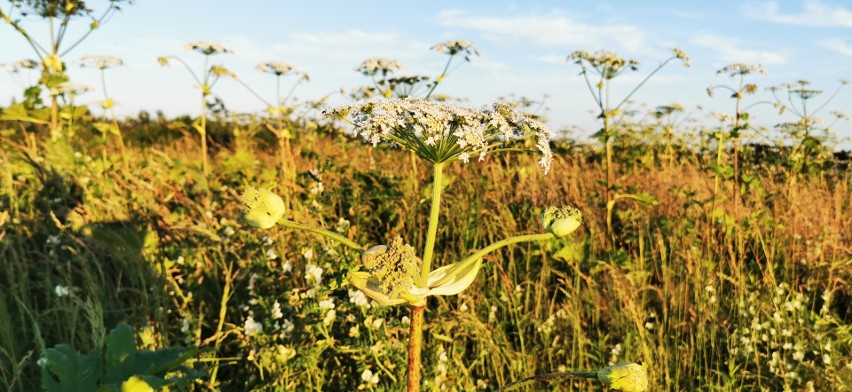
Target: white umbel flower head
x=278, y=68
x=206, y=48
x=378, y=65
x=439, y=131
x=101, y=62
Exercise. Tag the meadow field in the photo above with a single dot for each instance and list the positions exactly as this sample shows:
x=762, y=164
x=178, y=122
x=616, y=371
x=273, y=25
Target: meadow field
x=238, y=251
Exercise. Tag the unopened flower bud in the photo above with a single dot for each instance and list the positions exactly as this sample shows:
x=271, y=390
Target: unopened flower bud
x=561, y=221
x=263, y=208
x=625, y=377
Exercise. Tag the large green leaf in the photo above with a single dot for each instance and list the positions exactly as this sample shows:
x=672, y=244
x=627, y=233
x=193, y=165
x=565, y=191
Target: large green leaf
x=65, y=370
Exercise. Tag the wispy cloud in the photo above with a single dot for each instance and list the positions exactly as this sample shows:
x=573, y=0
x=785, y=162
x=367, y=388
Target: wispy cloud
x=552, y=58
x=837, y=45
x=549, y=30
x=813, y=13
x=729, y=50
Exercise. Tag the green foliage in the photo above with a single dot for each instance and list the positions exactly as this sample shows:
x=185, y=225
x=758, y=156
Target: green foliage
x=66, y=370
x=19, y=112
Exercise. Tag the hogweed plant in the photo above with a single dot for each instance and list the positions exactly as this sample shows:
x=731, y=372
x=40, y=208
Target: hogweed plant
x=740, y=73
x=412, y=86
x=439, y=134
x=102, y=63
x=452, y=49
x=209, y=76
x=68, y=92
x=58, y=15
x=807, y=146
x=382, y=72
x=279, y=112
x=599, y=70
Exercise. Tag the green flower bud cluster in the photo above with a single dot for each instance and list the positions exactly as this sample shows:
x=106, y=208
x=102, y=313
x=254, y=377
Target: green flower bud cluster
x=394, y=266
x=625, y=377
x=263, y=208
x=561, y=221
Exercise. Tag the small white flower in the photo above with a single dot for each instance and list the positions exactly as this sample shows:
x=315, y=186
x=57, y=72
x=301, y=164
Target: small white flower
x=270, y=254
x=61, y=291
x=377, y=323
x=287, y=328
x=329, y=317
x=276, y=311
x=358, y=298
x=252, y=327
x=313, y=274
x=184, y=328
x=405, y=320
x=327, y=303
x=368, y=377
x=463, y=307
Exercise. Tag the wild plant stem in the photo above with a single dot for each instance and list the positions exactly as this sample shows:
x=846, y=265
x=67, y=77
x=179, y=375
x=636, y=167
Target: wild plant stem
x=494, y=246
x=415, y=339
x=548, y=377
x=325, y=233
x=433, y=224
x=415, y=348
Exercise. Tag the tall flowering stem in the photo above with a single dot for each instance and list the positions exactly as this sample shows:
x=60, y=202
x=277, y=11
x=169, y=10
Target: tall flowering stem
x=58, y=15
x=415, y=348
x=415, y=343
x=209, y=78
x=433, y=224
x=437, y=133
x=607, y=66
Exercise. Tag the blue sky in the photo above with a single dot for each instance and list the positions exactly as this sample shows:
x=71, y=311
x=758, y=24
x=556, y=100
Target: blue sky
x=523, y=49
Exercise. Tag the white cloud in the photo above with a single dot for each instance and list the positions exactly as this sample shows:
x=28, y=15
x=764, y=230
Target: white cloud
x=551, y=30
x=836, y=45
x=552, y=58
x=729, y=51
x=814, y=13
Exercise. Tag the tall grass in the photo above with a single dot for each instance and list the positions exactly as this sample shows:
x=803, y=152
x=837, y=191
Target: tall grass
x=708, y=295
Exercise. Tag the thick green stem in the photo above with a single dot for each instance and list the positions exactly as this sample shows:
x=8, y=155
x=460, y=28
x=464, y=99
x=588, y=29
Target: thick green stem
x=549, y=377
x=490, y=248
x=323, y=232
x=415, y=338
x=415, y=347
x=433, y=225
x=203, y=132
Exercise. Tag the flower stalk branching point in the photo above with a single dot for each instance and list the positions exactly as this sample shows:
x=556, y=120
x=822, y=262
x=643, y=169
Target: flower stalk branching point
x=391, y=273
